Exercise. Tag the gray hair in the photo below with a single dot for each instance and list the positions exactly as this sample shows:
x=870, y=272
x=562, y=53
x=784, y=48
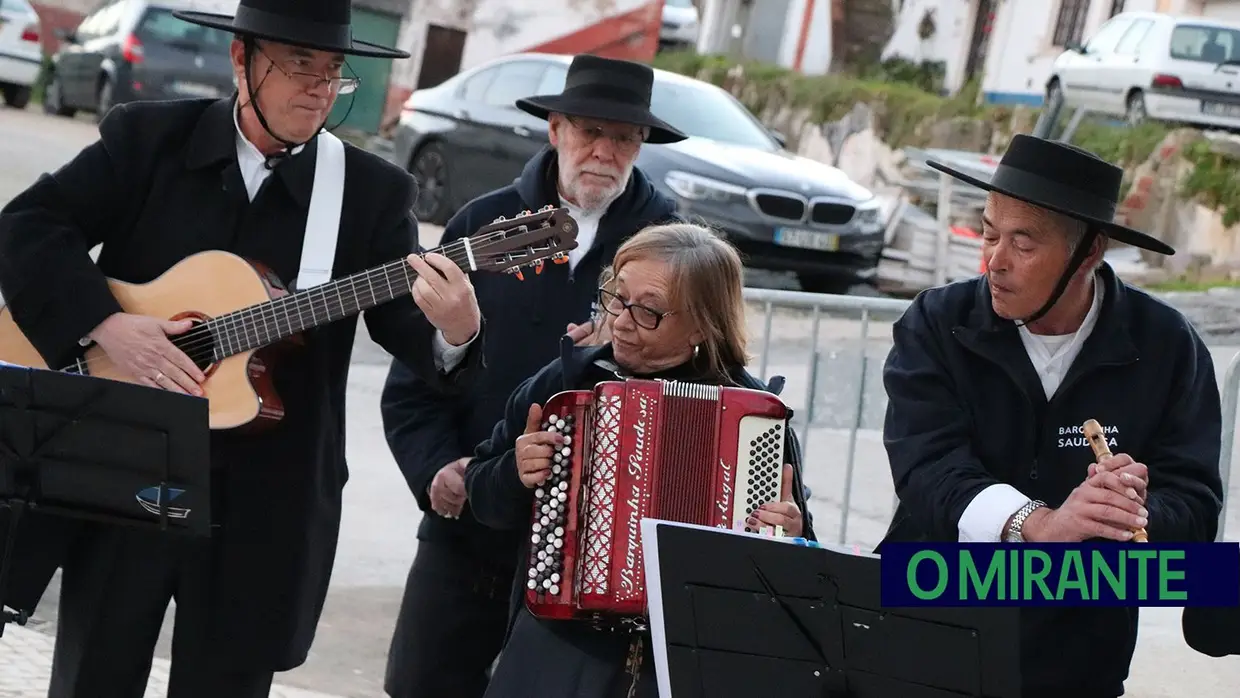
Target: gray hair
x=1076, y=230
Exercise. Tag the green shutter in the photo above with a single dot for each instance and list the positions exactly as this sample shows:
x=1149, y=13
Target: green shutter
x=368, y=101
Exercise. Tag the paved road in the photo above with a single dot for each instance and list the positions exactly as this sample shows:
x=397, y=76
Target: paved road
x=378, y=537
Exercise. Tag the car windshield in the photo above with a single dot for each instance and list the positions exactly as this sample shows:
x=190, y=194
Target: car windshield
x=17, y=7
x=162, y=26
x=1204, y=43
x=705, y=111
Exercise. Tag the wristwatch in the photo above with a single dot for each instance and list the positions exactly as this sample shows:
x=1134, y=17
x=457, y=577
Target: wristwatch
x=1014, y=533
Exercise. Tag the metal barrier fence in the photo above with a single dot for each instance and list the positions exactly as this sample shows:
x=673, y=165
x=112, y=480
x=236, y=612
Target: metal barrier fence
x=863, y=310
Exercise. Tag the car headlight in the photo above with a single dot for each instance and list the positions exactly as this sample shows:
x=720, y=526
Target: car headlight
x=868, y=214
x=698, y=188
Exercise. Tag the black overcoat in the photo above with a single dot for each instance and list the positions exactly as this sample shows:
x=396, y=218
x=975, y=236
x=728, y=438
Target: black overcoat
x=566, y=658
x=967, y=410
x=163, y=183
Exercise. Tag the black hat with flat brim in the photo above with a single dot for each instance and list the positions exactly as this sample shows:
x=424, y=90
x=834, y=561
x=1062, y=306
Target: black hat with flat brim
x=607, y=89
x=1065, y=179
x=324, y=25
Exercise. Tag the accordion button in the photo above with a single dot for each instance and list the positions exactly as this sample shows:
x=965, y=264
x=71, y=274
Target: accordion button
x=555, y=577
x=566, y=451
x=533, y=573
x=532, y=585
x=539, y=493
x=567, y=439
x=554, y=589
x=535, y=538
x=559, y=531
x=562, y=496
x=553, y=429
x=559, y=543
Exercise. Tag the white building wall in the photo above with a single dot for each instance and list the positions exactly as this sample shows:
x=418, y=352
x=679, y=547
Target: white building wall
x=950, y=43
x=1020, y=54
x=502, y=27
x=1225, y=10
x=816, y=57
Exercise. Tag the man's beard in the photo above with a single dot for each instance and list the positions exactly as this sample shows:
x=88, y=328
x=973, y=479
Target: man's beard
x=594, y=199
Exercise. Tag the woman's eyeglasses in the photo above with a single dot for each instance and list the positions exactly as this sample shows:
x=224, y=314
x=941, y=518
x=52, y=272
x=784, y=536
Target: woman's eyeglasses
x=613, y=305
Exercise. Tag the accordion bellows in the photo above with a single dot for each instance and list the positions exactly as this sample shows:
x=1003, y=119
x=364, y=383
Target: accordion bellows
x=698, y=454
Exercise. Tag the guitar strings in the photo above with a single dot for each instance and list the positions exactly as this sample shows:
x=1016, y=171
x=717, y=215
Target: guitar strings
x=204, y=336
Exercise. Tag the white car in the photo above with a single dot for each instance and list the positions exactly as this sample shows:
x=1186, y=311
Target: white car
x=1146, y=65
x=21, y=54
x=680, y=25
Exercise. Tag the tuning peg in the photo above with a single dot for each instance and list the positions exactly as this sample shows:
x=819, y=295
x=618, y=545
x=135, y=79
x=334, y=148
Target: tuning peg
x=538, y=267
x=548, y=207
x=526, y=212
x=560, y=258
x=517, y=271
x=499, y=220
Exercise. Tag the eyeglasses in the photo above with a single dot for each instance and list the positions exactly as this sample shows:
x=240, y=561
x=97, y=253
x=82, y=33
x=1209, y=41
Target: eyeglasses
x=622, y=141
x=647, y=318
x=311, y=81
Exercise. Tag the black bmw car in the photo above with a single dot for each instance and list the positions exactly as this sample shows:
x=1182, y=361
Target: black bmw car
x=466, y=137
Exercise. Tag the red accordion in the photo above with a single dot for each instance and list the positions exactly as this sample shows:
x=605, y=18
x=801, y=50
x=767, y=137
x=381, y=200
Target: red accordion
x=698, y=454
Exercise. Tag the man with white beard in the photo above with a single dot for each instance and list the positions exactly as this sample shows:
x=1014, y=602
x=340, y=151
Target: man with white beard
x=455, y=612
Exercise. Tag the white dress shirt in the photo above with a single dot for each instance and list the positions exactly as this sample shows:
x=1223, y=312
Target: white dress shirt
x=1052, y=355
x=254, y=173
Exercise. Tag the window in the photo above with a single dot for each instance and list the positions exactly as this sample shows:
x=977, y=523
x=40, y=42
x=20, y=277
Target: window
x=553, y=80
x=17, y=7
x=1070, y=25
x=1130, y=44
x=1206, y=44
x=475, y=88
x=159, y=25
x=707, y=112
x=1117, y=6
x=1108, y=36
x=514, y=81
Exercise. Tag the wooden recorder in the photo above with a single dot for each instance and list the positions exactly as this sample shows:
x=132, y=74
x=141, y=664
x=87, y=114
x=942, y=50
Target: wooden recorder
x=1098, y=442
x=698, y=454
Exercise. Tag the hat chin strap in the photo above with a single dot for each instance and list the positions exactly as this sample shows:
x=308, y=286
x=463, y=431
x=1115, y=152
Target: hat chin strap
x=274, y=159
x=1074, y=263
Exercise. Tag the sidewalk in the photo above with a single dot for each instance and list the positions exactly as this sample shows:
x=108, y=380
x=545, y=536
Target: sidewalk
x=26, y=666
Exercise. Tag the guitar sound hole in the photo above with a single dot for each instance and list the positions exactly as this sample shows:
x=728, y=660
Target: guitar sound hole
x=197, y=342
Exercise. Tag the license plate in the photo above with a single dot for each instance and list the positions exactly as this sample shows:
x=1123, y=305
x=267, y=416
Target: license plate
x=196, y=89
x=1220, y=109
x=807, y=239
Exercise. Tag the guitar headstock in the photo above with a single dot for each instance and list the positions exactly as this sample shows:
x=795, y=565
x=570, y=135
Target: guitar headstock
x=527, y=240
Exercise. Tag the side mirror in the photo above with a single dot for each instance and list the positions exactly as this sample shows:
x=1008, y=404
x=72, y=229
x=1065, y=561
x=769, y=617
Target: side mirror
x=779, y=137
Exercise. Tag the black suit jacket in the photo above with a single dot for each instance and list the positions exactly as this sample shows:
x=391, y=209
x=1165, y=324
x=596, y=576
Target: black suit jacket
x=162, y=183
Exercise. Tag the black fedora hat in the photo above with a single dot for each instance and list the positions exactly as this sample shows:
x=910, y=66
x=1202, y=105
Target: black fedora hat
x=1063, y=178
x=324, y=25
x=606, y=88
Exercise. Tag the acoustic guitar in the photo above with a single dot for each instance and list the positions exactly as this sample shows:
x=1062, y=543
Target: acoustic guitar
x=242, y=313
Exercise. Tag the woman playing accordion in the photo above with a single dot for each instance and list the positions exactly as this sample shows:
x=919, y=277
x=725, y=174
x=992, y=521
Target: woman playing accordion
x=672, y=311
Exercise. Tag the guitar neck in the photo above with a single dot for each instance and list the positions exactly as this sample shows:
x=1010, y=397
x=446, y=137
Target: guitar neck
x=267, y=323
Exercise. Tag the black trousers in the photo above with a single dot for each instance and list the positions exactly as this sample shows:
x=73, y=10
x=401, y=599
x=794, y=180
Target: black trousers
x=452, y=623
x=115, y=589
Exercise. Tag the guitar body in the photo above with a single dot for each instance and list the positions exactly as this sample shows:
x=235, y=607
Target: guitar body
x=199, y=287
x=243, y=315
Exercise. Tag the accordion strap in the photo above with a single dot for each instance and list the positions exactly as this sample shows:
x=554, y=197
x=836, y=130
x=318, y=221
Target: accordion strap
x=634, y=664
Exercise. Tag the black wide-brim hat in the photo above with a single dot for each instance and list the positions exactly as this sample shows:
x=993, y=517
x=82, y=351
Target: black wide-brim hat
x=1063, y=178
x=606, y=88
x=325, y=25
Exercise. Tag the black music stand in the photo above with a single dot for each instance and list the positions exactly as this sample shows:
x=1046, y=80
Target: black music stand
x=743, y=616
x=75, y=448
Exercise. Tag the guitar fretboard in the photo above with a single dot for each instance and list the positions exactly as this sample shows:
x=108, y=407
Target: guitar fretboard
x=268, y=323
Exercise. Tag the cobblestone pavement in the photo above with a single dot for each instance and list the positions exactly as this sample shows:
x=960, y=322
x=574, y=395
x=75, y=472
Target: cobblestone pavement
x=26, y=664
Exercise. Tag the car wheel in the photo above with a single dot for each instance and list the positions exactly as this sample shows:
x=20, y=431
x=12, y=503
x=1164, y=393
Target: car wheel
x=430, y=169
x=16, y=96
x=103, y=100
x=1135, y=114
x=53, y=99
